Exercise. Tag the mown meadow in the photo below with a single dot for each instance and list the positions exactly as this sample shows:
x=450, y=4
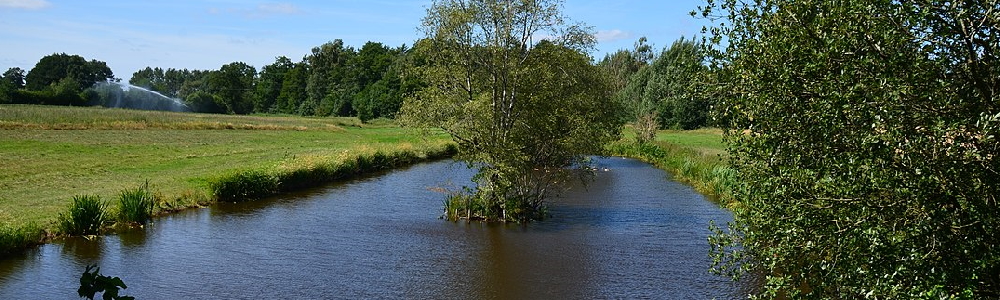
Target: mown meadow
x=52, y=154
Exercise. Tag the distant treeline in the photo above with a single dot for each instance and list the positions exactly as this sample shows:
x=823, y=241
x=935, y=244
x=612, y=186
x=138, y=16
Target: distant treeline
x=57, y=79
x=333, y=80
x=659, y=90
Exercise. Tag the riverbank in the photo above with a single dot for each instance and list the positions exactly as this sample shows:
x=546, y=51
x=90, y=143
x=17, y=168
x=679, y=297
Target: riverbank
x=695, y=157
x=54, y=153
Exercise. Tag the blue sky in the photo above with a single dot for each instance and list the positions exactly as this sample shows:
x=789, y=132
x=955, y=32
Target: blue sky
x=130, y=35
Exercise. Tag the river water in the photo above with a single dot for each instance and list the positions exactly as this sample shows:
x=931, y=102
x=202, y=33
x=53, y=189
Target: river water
x=631, y=233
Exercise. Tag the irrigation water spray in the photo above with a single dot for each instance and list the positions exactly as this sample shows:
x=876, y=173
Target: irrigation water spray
x=124, y=95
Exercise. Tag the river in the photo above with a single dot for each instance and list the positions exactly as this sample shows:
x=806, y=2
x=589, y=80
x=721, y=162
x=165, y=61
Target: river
x=630, y=233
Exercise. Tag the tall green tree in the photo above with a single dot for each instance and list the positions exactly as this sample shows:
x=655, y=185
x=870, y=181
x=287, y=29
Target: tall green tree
x=865, y=137
x=233, y=83
x=11, y=81
x=331, y=83
x=293, y=89
x=55, y=67
x=150, y=78
x=15, y=77
x=512, y=104
x=269, y=84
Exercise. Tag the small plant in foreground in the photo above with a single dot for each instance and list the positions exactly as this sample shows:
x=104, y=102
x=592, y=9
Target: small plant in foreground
x=92, y=283
x=86, y=216
x=136, y=205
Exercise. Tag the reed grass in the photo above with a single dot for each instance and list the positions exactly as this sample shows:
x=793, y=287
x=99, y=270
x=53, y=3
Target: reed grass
x=311, y=171
x=86, y=216
x=13, y=238
x=136, y=205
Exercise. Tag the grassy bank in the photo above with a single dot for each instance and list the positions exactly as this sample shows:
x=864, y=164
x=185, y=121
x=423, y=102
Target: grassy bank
x=51, y=154
x=696, y=157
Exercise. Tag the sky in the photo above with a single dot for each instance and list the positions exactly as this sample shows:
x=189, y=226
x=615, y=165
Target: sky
x=204, y=35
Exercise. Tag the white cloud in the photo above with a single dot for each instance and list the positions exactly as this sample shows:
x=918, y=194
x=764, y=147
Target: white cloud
x=25, y=4
x=612, y=35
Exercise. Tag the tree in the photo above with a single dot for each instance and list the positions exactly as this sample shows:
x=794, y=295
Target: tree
x=11, y=81
x=511, y=104
x=53, y=68
x=865, y=137
x=233, y=83
x=269, y=84
x=15, y=77
x=293, y=89
x=668, y=93
x=330, y=80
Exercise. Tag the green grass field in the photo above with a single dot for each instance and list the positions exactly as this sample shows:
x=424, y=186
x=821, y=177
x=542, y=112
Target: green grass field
x=706, y=141
x=49, y=154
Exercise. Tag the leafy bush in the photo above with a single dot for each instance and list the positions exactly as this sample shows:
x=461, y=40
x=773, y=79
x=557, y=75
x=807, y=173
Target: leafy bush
x=86, y=216
x=864, y=137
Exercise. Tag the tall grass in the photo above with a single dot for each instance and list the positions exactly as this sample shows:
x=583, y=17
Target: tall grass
x=305, y=172
x=709, y=174
x=86, y=216
x=14, y=238
x=136, y=205
x=244, y=185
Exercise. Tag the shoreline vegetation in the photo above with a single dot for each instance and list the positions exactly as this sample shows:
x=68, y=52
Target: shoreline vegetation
x=55, y=154
x=695, y=157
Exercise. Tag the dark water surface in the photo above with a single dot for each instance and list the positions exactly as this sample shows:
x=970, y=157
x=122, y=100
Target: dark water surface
x=632, y=233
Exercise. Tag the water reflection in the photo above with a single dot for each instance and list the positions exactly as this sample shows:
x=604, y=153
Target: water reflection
x=629, y=234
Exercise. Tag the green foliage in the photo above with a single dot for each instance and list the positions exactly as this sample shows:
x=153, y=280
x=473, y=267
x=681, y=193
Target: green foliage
x=260, y=183
x=669, y=90
x=92, y=282
x=511, y=104
x=205, y=103
x=167, y=82
x=86, y=216
x=864, y=136
x=13, y=238
x=15, y=77
x=53, y=68
x=269, y=84
x=244, y=185
x=233, y=84
x=136, y=205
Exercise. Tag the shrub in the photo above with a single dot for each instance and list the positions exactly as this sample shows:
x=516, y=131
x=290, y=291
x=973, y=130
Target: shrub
x=136, y=205
x=86, y=216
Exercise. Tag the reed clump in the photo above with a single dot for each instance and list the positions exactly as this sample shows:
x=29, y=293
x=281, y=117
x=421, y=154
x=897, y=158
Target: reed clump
x=86, y=216
x=135, y=206
x=13, y=238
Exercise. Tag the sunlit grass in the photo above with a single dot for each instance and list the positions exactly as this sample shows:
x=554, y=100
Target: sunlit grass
x=43, y=168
